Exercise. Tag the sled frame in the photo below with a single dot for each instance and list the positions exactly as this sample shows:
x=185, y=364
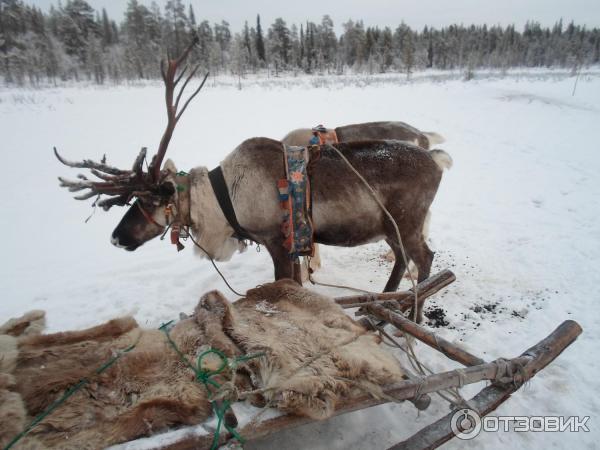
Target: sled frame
x=389, y=307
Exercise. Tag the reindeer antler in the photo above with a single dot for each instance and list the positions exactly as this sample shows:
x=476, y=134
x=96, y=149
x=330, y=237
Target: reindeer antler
x=121, y=185
x=116, y=183
x=171, y=79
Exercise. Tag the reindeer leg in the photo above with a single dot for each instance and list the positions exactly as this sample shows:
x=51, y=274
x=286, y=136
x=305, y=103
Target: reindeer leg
x=284, y=267
x=422, y=256
x=398, y=269
x=297, y=269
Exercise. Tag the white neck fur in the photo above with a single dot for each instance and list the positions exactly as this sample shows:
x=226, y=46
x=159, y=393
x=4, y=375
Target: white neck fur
x=208, y=223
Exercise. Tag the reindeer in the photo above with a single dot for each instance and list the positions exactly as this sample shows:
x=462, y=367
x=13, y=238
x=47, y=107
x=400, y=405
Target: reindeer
x=361, y=132
x=239, y=199
x=371, y=130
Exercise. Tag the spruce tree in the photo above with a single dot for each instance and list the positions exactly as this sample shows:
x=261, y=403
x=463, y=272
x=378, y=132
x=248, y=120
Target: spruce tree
x=260, y=43
x=107, y=37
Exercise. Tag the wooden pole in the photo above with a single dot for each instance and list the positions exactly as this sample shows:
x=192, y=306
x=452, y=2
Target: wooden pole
x=400, y=391
x=438, y=343
x=421, y=402
x=432, y=436
x=486, y=401
x=545, y=351
x=440, y=432
x=425, y=289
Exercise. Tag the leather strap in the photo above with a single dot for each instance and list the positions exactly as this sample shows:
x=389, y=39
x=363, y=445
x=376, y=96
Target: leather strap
x=217, y=181
x=147, y=215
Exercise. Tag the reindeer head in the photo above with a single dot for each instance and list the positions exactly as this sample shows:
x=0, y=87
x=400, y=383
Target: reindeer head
x=152, y=192
x=148, y=217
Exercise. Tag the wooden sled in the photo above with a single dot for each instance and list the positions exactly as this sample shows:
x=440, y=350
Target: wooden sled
x=506, y=376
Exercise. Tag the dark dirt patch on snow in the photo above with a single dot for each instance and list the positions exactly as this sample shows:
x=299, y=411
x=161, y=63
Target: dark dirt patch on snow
x=436, y=317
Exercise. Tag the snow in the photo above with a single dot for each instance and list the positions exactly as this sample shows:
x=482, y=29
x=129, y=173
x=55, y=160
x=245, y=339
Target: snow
x=515, y=219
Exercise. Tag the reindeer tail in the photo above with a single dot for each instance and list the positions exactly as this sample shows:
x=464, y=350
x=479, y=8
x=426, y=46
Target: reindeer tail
x=441, y=158
x=434, y=138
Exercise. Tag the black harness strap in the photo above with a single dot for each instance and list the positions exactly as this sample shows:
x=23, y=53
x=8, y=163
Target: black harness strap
x=217, y=181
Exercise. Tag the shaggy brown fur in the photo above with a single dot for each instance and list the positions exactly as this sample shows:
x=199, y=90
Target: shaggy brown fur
x=315, y=356
x=147, y=390
x=293, y=326
x=29, y=324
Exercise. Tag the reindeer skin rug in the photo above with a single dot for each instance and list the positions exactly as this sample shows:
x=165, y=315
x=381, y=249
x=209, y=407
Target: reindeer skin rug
x=313, y=357
x=315, y=354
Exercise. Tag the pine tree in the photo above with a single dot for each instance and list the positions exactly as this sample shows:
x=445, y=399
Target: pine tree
x=107, y=36
x=177, y=26
x=205, y=43
x=386, y=49
x=76, y=26
x=328, y=40
x=247, y=43
x=294, y=58
x=223, y=39
x=73, y=39
x=192, y=17
x=279, y=42
x=260, y=43
x=405, y=44
x=240, y=57
x=311, y=50
x=301, y=51
x=143, y=40
x=95, y=60
x=354, y=44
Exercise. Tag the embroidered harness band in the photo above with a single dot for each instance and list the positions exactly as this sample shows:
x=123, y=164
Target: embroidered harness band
x=296, y=202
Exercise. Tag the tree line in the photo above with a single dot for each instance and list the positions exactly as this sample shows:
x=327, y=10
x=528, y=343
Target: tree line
x=72, y=41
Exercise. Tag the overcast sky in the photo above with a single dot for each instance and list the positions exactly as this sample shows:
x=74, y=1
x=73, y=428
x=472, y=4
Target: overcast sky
x=415, y=13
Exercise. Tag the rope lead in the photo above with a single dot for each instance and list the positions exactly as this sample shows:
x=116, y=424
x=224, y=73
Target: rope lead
x=204, y=376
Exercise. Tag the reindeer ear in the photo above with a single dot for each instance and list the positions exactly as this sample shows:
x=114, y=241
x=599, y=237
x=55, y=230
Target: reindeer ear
x=170, y=166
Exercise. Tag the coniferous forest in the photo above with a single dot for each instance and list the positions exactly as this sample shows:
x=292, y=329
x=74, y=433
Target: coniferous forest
x=74, y=42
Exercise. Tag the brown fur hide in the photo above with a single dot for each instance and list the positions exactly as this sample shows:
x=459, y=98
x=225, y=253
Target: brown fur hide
x=295, y=326
x=146, y=391
x=315, y=355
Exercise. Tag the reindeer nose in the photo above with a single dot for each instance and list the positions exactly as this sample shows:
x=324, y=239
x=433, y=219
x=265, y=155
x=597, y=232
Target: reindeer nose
x=115, y=241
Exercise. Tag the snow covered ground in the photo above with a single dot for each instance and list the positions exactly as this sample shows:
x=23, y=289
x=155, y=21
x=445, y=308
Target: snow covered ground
x=516, y=219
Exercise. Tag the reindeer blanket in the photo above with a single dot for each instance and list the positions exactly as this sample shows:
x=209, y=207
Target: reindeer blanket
x=313, y=356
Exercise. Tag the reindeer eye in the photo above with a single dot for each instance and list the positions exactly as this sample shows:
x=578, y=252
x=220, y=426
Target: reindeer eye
x=166, y=188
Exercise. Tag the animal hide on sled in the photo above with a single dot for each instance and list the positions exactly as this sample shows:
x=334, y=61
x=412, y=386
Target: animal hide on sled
x=314, y=356
x=146, y=391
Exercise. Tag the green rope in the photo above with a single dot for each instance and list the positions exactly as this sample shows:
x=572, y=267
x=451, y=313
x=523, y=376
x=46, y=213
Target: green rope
x=181, y=187
x=68, y=393
x=204, y=376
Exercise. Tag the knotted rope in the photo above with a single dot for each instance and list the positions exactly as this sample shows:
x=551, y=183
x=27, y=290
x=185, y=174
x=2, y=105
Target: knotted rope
x=506, y=375
x=451, y=395
x=216, y=391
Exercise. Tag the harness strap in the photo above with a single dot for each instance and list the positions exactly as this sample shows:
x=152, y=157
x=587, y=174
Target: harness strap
x=219, y=186
x=328, y=137
x=175, y=213
x=147, y=215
